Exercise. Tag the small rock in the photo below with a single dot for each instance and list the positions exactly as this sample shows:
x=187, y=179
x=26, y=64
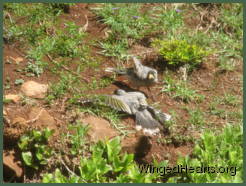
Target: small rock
x=34, y=89
x=12, y=166
x=100, y=129
x=13, y=97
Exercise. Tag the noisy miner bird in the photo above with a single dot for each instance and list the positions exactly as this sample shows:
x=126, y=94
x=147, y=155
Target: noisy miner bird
x=139, y=75
x=134, y=103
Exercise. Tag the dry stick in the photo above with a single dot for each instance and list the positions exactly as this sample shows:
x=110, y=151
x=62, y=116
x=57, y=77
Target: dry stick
x=36, y=118
x=69, y=170
x=67, y=69
x=210, y=25
x=63, y=104
x=10, y=18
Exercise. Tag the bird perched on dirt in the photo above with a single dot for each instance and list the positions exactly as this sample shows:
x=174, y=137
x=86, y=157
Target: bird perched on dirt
x=139, y=75
x=134, y=103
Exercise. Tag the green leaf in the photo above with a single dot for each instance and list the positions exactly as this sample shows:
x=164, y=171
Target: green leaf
x=24, y=142
x=19, y=81
x=27, y=157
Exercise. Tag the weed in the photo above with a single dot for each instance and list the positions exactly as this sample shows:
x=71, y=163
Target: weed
x=196, y=117
x=214, y=110
x=42, y=35
x=231, y=19
x=180, y=90
x=235, y=115
x=114, y=49
x=217, y=150
x=35, y=151
x=104, y=82
x=179, y=52
x=35, y=68
x=65, y=84
x=76, y=137
x=106, y=159
x=129, y=24
x=226, y=63
x=19, y=81
x=230, y=99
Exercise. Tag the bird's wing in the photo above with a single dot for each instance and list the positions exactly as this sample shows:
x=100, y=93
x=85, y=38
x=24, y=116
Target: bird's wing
x=118, y=104
x=145, y=119
x=139, y=68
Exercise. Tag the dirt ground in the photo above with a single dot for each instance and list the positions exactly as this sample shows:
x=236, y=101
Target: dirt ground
x=144, y=147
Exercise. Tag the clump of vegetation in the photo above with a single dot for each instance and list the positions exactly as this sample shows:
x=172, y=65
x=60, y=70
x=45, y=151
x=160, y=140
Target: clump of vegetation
x=231, y=19
x=180, y=90
x=34, y=148
x=221, y=150
x=76, y=138
x=180, y=52
x=106, y=164
x=196, y=117
x=129, y=23
x=66, y=84
x=43, y=36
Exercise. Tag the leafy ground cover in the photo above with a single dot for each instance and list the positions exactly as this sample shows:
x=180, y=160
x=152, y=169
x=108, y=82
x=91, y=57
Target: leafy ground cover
x=197, y=50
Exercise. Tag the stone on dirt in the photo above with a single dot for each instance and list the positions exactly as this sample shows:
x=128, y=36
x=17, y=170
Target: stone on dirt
x=34, y=90
x=100, y=129
x=11, y=165
x=41, y=118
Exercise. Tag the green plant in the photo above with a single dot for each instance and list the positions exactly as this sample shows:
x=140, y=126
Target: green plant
x=214, y=110
x=19, y=81
x=104, y=82
x=226, y=63
x=180, y=52
x=129, y=23
x=67, y=83
x=176, y=135
x=218, y=150
x=196, y=117
x=106, y=164
x=180, y=90
x=231, y=19
x=35, y=68
x=42, y=35
x=230, y=99
x=76, y=137
x=34, y=147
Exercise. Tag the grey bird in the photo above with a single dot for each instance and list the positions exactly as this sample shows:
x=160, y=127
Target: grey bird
x=139, y=75
x=147, y=118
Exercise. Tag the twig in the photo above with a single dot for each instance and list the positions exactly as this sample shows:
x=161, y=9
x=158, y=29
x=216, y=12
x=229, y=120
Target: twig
x=69, y=170
x=63, y=104
x=10, y=18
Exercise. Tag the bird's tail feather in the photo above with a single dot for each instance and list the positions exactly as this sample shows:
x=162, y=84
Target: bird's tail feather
x=117, y=71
